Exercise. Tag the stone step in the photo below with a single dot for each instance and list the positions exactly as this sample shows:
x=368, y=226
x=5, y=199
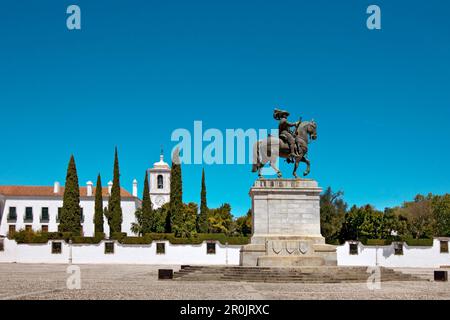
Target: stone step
x=287, y=275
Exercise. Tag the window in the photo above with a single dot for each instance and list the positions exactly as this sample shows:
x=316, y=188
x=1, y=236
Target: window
x=160, y=182
x=353, y=249
x=109, y=247
x=44, y=215
x=211, y=248
x=444, y=246
x=398, y=248
x=28, y=228
x=160, y=248
x=12, y=229
x=28, y=214
x=12, y=214
x=59, y=215
x=2, y=244
x=82, y=215
x=56, y=247
x=44, y=228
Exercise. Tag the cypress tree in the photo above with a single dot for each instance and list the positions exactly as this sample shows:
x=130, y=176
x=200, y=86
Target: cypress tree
x=175, y=216
x=70, y=219
x=203, y=217
x=114, y=208
x=98, y=214
x=147, y=211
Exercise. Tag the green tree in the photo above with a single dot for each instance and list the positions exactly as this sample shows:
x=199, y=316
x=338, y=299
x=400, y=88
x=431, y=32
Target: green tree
x=368, y=223
x=440, y=206
x=203, y=217
x=147, y=211
x=372, y=226
x=220, y=220
x=70, y=219
x=419, y=217
x=160, y=216
x=394, y=225
x=136, y=227
x=352, y=222
x=114, y=205
x=98, y=213
x=187, y=221
x=332, y=214
x=244, y=224
x=175, y=218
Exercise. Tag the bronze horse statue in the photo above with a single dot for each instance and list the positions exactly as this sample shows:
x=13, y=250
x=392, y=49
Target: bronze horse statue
x=268, y=150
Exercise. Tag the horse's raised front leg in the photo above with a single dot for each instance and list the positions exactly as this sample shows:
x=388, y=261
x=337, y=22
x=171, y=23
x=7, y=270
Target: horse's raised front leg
x=308, y=166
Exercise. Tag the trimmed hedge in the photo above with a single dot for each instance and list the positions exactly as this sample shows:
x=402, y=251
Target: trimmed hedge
x=136, y=240
x=89, y=240
x=377, y=242
x=409, y=242
x=197, y=240
x=23, y=236
x=200, y=238
x=419, y=242
x=118, y=236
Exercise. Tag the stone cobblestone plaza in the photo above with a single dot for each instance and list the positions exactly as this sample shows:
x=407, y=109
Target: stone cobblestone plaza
x=122, y=282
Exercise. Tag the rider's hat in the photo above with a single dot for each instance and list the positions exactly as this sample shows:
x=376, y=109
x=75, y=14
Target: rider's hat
x=278, y=114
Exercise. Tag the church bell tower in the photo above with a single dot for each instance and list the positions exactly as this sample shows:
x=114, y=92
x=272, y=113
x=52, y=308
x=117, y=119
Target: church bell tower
x=159, y=177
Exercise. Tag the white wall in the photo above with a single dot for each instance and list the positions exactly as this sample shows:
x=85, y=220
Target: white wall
x=413, y=257
x=88, y=205
x=123, y=254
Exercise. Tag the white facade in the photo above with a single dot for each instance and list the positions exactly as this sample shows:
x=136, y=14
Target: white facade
x=123, y=254
x=384, y=256
x=159, y=179
x=20, y=201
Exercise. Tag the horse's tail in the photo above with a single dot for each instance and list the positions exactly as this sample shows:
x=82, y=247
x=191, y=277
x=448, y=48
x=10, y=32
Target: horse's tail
x=256, y=161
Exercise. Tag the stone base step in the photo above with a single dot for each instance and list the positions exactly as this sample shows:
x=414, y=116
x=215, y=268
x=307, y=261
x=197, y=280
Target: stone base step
x=289, y=275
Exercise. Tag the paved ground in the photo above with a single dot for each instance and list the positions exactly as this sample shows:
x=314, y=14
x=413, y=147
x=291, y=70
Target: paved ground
x=24, y=281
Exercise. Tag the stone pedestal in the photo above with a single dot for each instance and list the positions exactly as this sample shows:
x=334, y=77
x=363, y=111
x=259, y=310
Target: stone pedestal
x=286, y=225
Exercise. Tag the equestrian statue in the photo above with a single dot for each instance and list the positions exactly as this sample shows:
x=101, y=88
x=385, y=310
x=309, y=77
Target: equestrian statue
x=291, y=145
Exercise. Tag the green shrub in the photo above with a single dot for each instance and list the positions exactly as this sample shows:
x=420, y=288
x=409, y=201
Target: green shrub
x=23, y=236
x=199, y=238
x=89, y=240
x=377, y=242
x=419, y=242
x=66, y=236
x=118, y=235
x=136, y=240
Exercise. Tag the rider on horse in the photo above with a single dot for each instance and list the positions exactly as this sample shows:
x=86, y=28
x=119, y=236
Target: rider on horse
x=284, y=131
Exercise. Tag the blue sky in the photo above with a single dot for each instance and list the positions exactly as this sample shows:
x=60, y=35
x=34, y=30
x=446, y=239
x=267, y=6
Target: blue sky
x=140, y=69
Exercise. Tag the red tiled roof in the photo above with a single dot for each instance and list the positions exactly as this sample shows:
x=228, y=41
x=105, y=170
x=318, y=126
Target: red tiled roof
x=35, y=191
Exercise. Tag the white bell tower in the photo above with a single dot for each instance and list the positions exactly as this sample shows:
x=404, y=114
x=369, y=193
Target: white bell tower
x=159, y=179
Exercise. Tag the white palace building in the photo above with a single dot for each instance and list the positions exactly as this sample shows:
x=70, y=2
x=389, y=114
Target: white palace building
x=37, y=208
